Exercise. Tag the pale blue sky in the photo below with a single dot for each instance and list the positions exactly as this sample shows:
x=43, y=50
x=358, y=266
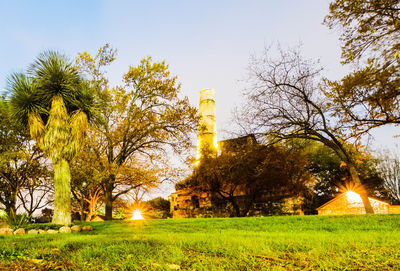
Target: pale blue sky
x=206, y=43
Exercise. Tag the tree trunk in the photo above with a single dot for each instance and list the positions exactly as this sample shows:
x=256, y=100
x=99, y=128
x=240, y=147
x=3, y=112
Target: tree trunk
x=82, y=214
x=10, y=210
x=62, y=193
x=235, y=206
x=360, y=189
x=108, y=196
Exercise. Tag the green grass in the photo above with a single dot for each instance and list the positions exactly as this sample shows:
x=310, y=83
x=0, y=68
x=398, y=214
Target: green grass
x=256, y=243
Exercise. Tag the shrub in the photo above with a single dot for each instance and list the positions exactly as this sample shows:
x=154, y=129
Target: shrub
x=16, y=221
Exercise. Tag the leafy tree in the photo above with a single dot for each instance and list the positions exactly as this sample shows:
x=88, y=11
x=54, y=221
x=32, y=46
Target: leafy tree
x=56, y=104
x=20, y=163
x=243, y=176
x=332, y=177
x=86, y=178
x=368, y=27
x=139, y=122
x=285, y=102
x=369, y=96
x=159, y=207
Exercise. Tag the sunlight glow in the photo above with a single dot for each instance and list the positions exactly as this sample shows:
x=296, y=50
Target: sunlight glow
x=353, y=196
x=137, y=215
x=215, y=142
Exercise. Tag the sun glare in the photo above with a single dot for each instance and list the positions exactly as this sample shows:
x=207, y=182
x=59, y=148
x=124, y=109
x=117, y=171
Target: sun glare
x=137, y=215
x=353, y=196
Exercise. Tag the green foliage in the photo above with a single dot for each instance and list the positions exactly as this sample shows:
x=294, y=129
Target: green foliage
x=139, y=122
x=159, y=207
x=3, y=215
x=333, y=178
x=367, y=28
x=42, y=226
x=21, y=164
x=56, y=103
x=120, y=213
x=255, y=243
x=16, y=221
x=287, y=101
x=251, y=171
x=368, y=97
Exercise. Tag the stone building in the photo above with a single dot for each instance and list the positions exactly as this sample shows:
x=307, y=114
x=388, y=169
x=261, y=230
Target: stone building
x=187, y=202
x=351, y=203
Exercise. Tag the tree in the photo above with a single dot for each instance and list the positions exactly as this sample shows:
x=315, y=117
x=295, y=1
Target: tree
x=36, y=194
x=140, y=121
x=56, y=104
x=159, y=207
x=20, y=163
x=285, y=102
x=368, y=27
x=389, y=169
x=243, y=176
x=332, y=177
x=86, y=178
x=368, y=96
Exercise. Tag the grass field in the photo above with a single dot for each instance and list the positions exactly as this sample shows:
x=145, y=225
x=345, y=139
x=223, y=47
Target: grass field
x=256, y=243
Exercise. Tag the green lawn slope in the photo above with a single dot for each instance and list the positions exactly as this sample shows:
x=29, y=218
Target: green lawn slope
x=255, y=243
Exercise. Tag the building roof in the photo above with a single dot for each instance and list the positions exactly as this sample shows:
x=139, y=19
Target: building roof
x=239, y=142
x=341, y=196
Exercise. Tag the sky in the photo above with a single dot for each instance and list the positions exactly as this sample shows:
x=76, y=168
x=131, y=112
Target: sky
x=207, y=43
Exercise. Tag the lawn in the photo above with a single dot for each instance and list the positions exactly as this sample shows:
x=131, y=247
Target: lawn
x=256, y=243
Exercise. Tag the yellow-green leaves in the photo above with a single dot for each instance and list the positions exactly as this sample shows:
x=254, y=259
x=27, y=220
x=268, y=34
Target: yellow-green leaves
x=63, y=134
x=36, y=127
x=78, y=125
x=56, y=131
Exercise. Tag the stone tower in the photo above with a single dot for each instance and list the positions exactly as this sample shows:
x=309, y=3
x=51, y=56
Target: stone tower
x=207, y=133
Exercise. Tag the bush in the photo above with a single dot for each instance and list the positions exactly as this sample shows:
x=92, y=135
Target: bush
x=160, y=207
x=47, y=215
x=42, y=226
x=16, y=221
x=3, y=216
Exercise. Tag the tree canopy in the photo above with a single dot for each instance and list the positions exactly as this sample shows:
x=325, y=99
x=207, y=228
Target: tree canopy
x=285, y=101
x=138, y=121
x=369, y=96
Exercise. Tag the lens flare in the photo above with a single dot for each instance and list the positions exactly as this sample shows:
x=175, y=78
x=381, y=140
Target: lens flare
x=137, y=215
x=353, y=196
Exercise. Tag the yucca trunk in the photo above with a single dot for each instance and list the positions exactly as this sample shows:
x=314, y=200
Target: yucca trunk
x=62, y=193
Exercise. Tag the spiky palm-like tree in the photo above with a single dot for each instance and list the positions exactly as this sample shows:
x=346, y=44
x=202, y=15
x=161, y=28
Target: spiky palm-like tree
x=56, y=104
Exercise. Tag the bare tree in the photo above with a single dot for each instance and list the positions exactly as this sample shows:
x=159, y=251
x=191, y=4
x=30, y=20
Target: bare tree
x=35, y=195
x=285, y=101
x=389, y=169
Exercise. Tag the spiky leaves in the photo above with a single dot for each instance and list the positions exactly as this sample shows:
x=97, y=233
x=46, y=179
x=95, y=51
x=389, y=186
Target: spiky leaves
x=24, y=97
x=78, y=123
x=55, y=102
x=36, y=128
x=56, y=76
x=64, y=133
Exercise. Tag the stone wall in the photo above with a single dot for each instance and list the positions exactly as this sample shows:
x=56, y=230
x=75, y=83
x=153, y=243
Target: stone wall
x=186, y=203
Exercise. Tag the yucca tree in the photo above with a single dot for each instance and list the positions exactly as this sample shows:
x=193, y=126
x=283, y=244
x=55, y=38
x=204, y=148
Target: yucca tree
x=56, y=104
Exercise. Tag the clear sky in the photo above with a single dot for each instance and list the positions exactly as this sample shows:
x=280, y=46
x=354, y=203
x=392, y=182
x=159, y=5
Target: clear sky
x=207, y=43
